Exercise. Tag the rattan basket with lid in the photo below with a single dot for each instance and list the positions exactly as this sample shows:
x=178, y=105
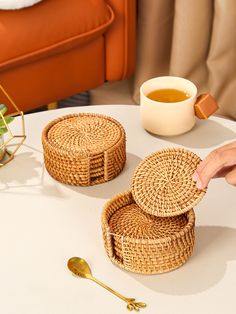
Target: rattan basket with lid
x=142, y=243
x=84, y=149
x=150, y=229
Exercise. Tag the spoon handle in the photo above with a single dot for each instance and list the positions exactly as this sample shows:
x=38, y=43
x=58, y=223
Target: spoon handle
x=131, y=305
x=109, y=289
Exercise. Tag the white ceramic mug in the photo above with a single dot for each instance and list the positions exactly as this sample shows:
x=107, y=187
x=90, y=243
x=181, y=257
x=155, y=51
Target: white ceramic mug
x=172, y=118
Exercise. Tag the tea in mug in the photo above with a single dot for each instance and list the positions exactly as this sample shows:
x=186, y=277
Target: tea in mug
x=168, y=95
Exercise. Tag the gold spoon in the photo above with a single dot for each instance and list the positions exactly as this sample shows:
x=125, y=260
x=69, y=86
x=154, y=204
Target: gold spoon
x=80, y=268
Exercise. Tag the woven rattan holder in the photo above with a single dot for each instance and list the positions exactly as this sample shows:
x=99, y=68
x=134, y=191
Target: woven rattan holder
x=150, y=229
x=84, y=149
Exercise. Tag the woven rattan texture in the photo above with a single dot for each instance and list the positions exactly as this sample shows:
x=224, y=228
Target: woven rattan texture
x=139, y=242
x=84, y=149
x=162, y=183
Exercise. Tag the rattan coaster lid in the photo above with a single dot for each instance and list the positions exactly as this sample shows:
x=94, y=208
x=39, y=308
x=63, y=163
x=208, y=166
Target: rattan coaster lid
x=83, y=135
x=162, y=184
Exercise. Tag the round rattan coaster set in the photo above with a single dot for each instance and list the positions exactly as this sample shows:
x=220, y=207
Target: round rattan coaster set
x=150, y=229
x=84, y=149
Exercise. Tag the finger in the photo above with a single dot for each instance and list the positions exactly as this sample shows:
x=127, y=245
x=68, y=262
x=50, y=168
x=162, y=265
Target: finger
x=224, y=171
x=231, y=177
x=204, y=162
x=216, y=161
x=210, y=159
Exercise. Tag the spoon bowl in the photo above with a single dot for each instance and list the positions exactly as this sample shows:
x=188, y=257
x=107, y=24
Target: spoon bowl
x=79, y=267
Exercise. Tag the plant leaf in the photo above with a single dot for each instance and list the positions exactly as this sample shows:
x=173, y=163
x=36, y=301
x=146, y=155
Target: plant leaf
x=3, y=131
x=3, y=109
x=7, y=119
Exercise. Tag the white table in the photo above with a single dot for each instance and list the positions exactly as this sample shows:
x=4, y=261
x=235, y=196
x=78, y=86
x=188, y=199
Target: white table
x=43, y=223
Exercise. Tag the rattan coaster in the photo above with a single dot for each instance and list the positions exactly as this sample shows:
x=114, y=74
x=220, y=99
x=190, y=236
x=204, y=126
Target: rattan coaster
x=162, y=184
x=84, y=149
x=143, y=243
x=133, y=222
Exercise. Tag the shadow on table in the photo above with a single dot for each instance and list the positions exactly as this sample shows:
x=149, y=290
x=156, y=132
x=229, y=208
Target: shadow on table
x=215, y=246
x=205, y=134
x=21, y=169
x=20, y=172
x=120, y=184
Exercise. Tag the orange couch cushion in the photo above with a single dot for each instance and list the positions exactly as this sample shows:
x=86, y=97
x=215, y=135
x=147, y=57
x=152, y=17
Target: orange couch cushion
x=121, y=40
x=50, y=27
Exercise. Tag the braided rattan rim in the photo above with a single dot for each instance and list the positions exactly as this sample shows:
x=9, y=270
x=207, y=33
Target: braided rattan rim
x=162, y=183
x=128, y=199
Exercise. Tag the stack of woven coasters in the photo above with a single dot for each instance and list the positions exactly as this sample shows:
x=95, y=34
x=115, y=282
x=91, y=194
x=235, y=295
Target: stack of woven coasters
x=150, y=229
x=84, y=149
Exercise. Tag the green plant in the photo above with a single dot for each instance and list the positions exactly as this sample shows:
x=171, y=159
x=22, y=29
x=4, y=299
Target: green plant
x=3, y=128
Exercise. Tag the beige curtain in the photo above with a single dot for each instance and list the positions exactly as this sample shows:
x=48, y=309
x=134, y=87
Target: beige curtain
x=195, y=39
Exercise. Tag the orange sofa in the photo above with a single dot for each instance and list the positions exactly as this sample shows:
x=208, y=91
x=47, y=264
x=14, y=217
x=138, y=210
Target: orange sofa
x=57, y=48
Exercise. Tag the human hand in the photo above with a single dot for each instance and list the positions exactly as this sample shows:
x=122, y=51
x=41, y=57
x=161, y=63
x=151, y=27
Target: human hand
x=219, y=163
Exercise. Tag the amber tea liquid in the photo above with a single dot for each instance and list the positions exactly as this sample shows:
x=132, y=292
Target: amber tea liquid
x=168, y=95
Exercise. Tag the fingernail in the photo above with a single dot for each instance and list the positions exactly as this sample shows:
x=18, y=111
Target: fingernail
x=195, y=176
x=199, y=184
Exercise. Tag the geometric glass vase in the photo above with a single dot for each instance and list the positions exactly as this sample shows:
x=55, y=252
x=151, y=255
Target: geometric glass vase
x=10, y=141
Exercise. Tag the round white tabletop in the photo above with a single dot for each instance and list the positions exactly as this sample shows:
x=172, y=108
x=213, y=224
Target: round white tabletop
x=44, y=223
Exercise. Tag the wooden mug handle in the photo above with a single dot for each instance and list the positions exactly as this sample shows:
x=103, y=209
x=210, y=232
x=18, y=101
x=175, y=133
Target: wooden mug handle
x=205, y=106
